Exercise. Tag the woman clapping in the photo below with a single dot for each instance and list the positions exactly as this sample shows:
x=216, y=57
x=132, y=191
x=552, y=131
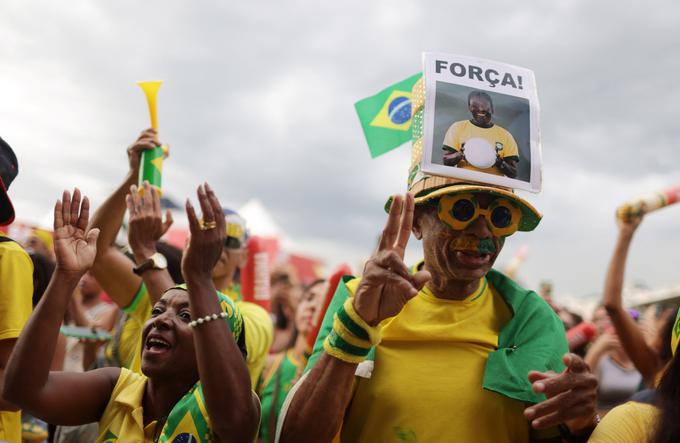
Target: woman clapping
x=195, y=381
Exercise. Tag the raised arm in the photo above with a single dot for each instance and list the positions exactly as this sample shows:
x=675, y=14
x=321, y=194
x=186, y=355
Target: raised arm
x=30, y=384
x=234, y=412
x=111, y=268
x=632, y=339
x=319, y=403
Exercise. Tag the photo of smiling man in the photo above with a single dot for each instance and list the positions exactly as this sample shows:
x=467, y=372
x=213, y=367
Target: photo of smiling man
x=479, y=144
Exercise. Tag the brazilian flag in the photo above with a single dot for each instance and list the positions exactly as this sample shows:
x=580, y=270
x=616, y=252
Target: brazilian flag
x=386, y=116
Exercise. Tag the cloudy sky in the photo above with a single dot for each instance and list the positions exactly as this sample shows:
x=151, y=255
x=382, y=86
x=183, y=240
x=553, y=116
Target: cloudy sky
x=258, y=100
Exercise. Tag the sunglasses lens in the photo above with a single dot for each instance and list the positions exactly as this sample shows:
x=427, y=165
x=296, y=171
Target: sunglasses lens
x=463, y=210
x=501, y=217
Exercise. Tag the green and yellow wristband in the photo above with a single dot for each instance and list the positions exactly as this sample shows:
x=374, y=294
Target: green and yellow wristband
x=351, y=338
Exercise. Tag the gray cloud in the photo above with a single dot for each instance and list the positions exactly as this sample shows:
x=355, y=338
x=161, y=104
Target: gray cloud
x=259, y=100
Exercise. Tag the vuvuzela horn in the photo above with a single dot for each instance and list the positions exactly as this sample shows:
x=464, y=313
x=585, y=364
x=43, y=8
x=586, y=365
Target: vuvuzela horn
x=649, y=202
x=151, y=164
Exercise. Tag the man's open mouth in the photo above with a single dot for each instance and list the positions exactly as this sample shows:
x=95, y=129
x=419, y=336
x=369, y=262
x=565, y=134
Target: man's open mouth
x=472, y=258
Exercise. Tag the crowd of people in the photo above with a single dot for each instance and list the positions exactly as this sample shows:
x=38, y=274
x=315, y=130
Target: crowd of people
x=144, y=342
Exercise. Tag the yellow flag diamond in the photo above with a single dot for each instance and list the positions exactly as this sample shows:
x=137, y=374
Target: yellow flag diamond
x=158, y=163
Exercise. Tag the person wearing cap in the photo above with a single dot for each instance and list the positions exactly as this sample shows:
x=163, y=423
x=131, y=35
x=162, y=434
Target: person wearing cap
x=450, y=350
x=657, y=422
x=480, y=125
x=195, y=384
x=40, y=242
x=16, y=291
x=136, y=286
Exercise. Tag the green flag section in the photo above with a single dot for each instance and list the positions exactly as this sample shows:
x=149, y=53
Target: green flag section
x=386, y=116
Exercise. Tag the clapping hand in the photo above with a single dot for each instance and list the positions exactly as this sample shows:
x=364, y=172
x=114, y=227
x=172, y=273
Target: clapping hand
x=74, y=246
x=146, y=221
x=207, y=235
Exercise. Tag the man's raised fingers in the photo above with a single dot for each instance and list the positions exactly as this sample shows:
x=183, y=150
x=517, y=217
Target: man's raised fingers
x=405, y=224
x=389, y=234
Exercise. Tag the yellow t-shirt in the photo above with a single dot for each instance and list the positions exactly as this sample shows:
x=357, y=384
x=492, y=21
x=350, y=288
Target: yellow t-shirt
x=630, y=422
x=259, y=332
x=124, y=415
x=499, y=138
x=16, y=295
x=427, y=382
x=128, y=347
x=259, y=335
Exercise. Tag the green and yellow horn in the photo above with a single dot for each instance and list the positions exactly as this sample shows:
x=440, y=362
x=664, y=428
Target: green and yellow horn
x=151, y=165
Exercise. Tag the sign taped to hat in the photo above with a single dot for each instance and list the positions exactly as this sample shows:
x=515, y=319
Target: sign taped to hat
x=479, y=122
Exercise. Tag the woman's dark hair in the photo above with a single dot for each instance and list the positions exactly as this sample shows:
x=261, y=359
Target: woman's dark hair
x=173, y=255
x=668, y=401
x=43, y=268
x=665, y=336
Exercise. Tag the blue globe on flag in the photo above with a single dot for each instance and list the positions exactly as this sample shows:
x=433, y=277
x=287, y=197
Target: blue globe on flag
x=399, y=110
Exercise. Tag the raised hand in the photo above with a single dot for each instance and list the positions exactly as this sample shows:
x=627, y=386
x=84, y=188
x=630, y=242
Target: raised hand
x=74, y=246
x=386, y=284
x=148, y=139
x=207, y=235
x=572, y=396
x=628, y=226
x=146, y=223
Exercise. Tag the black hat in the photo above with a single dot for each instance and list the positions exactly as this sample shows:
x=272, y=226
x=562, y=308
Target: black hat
x=9, y=168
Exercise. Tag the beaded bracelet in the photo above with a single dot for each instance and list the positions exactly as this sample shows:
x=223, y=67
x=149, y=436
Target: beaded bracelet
x=351, y=338
x=206, y=319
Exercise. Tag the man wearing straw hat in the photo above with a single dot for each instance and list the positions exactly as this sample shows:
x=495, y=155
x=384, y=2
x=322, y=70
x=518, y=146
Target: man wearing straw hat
x=16, y=291
x=449, y=351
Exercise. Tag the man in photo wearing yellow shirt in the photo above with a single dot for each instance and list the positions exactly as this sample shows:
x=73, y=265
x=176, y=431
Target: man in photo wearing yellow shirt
x=16, y=291
x=481, y=126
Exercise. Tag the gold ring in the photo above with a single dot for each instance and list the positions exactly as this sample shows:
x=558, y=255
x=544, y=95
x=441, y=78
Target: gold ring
x=206, y=225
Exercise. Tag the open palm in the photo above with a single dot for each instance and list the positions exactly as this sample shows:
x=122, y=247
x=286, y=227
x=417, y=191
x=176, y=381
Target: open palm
x=74, y=246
